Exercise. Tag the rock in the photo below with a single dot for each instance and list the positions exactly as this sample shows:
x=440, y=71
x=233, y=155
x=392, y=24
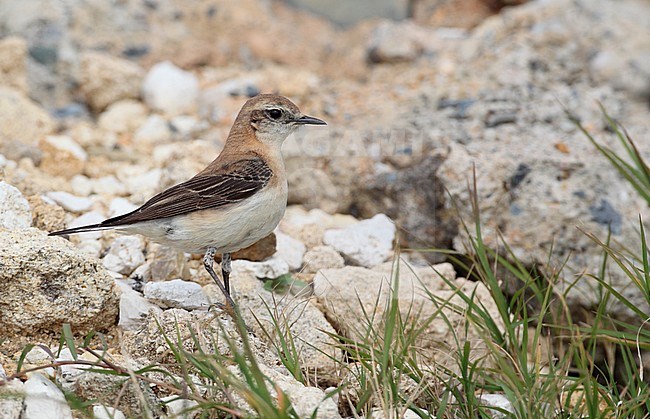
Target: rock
x=180, y=408
x=68, y=373
x=309, y=226
x=624, y=67
x=394, y=42
x=13, y=64
x=258, y=251
x=184, y=125
x=170, y=90
x=46, y=217
x=108, y=185
x=133, y=402
x=307, y=401
x=313, y=188
x=134, y=308
x=92, y=217
x=456, y=13
x=148, y=344
x=168, y=263
x=37, y=355
x=296, y=315
x=105, y=79
x=81, y=185
x=273, y=267
x=15, y=213
x=177, y=294
x=322, y=257
x=499, y=402
x=155, y=130
x=11, y=399
x=410, y=196
x=348, y=13
x=62, y=156
x=368, y=243
x=142, y=186
x=290, y=250
x=125, y=254
x=122, y=117
x=70, y=202
x=141, y=275
x=46, y=282
x=120, y=206
x=44, y=399
x=22, y=124
x=106, y=412
x=347, y=295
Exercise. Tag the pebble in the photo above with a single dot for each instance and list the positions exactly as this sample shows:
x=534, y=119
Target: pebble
x=183, y=125
x=108, y=185
x=155, y=130
x=177, y=294
x=273, y=267
x=65, y=144
x=170, y=90
x=70, y=202
x=498, y=401
x=81, y=185
x=126, y=254
x=91, y=217
x=124, y=116
x=180, y=408
x=120, y=206
x=322, y=257
x=15, y=213
x=290, y=250
x=134, y=308
x=105, y=412
x=39, y=356
x=367, y=243
x=43, y=399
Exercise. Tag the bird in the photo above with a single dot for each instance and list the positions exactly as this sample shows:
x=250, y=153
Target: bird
x=238, y=199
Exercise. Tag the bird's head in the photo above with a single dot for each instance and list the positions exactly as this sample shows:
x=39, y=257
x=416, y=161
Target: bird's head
x=272, y=118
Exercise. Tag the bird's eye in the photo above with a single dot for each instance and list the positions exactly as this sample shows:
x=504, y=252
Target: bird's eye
x=274, y=113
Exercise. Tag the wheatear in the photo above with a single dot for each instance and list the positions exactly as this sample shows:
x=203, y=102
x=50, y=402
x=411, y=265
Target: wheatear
x=231, y=204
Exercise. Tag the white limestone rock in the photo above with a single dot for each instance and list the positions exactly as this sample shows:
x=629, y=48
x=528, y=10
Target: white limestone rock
x=134, y=308
x=322, y=257
x=106, y=412
x=108, y=185
x=177, y=294
x=367, y=243
x=45, y=282
x=155, y=130
x=272, y=267
x=43, y=399
x=70, y=202
x=170, y=90
x=178, y=408
x=15, y=213
x=126, y=254
x=290, y=250
x=120, y=206
x=81, y=185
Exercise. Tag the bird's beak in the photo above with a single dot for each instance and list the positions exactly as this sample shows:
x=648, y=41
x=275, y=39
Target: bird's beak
x=309, y=120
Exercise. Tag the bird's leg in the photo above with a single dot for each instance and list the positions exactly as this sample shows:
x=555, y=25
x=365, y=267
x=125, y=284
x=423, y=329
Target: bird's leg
x=208, y=261
x=225, y=271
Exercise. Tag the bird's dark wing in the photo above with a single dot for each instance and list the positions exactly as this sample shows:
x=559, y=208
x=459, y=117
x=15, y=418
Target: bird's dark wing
x=238, y=181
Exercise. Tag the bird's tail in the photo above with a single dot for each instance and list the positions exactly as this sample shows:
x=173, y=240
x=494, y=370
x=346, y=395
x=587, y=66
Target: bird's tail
x=82, y=229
